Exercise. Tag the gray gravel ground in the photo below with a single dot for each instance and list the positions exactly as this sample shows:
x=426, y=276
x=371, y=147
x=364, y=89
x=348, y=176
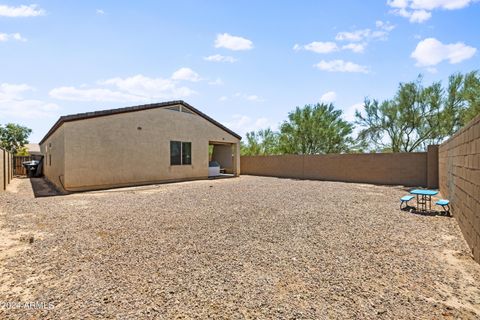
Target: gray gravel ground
x=249, y=247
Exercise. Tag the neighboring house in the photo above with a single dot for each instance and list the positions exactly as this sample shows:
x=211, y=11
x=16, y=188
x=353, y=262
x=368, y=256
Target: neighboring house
x=33, y=149
x=136, y=145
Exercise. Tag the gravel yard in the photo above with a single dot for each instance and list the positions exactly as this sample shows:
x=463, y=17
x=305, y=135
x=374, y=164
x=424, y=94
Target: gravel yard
x=249, y=247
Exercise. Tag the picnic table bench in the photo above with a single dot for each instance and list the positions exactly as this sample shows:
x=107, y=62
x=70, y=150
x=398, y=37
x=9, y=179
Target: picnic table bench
x=424, y=197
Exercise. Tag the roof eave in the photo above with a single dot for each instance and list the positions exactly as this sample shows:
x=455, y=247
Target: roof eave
x=104, y=113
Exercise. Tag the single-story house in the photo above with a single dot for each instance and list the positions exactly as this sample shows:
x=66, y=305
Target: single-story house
x=146, y=144
x=33, y=149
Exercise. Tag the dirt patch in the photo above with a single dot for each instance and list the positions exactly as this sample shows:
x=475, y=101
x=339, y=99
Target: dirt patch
x=11, y=244
x=465, y=292
x=250, y=247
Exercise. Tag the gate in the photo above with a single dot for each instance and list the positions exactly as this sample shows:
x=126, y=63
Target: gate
x=18, y=168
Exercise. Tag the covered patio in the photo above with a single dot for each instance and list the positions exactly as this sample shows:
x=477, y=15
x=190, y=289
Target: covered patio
x=223, y=159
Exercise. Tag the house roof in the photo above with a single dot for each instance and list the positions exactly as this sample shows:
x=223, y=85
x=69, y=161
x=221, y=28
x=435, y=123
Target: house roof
x=33, y=148
x=102, y=113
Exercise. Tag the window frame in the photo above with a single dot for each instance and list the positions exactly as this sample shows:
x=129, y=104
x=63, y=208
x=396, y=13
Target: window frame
x=185, y=160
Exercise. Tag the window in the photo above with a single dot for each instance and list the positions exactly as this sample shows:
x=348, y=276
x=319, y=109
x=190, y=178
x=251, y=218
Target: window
x=175, y=153
x=186, y=153
x=180, y=153
x=50, y=159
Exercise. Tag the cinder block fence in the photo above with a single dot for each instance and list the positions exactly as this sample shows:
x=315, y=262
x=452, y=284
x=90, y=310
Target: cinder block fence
x=409, y=169
x=459, y=168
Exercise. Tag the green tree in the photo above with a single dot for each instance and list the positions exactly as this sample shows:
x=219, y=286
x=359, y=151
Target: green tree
x=261, y=142
x=471, y=96
x=23, y=151
x=462, y=102
x=13, y=137
x=416, y=116
x=315, y=129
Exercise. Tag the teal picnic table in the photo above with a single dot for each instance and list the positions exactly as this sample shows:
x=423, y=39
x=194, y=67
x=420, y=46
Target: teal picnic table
x=424, y=197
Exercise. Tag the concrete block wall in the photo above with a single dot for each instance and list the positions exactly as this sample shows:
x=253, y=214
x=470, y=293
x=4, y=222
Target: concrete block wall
x=409, y=169
x=459, y=168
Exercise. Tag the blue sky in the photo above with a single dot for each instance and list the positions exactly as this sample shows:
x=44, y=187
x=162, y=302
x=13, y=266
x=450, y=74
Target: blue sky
x=244, y=63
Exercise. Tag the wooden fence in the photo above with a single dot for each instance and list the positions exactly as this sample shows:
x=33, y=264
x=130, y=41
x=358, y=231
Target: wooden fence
x=18, y=168
x=5, y=169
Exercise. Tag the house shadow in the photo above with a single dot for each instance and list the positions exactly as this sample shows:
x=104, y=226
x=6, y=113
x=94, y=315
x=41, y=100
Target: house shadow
x=42, y=188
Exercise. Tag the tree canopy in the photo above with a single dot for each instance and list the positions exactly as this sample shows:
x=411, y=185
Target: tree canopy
x=13, y=137
x=463, y=100
x=415, y=117
x=315, y=129
x=419, y=115
x=262, y=142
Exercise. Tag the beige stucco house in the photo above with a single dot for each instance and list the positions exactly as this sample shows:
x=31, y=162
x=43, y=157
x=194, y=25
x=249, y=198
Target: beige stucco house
x=170, y=141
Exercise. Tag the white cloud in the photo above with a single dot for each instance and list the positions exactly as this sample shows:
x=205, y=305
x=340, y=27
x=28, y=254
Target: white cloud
x=136, y=88
x=11, y=36
x=186, y=74
x=415, y=16
x=13, y=91
x=340, y=66
x=430, y=52
x=398, y=3
x=21, y=11
x=253, y=97
x=230, y=42
x=387, y=26
x=317, y=47
x=419, y=16
x=355, y=47
x=349, y=113
x=100, y=12
x=220, y=58
x=216, y=82
x=435, y=4
x=328, y=97
x=243, y=124
x=381, y=33
x=14, y=104
x=149, y=87
x=93, y=94
x=358, y=39
x=418, y=11
x=357, y=35
x=223, y=98
x=248, y=97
